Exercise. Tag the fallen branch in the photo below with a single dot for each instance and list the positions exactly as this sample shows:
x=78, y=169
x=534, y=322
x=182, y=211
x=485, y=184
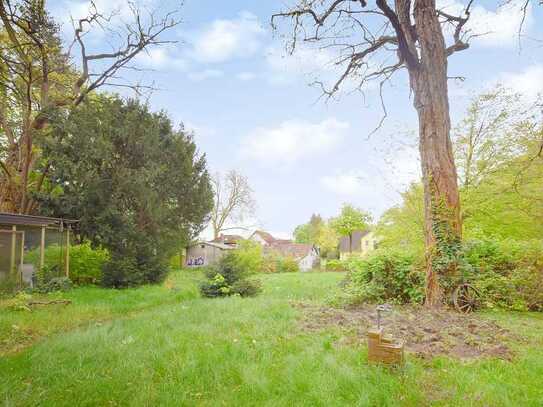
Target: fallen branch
x=52, y=302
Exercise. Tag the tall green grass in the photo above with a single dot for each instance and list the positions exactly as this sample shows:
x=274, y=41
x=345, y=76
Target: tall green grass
x=164, y=346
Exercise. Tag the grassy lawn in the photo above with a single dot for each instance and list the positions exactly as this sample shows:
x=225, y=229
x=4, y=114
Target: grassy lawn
x=166, y=346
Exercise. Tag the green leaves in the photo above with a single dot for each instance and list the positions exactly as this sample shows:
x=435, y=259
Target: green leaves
x=350, y=220
x=138, y=186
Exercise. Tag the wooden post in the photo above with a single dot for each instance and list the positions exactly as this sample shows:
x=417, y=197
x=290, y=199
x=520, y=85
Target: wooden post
x=42, y=248
x=21, y=262
x=13, y=244
x=67, y=261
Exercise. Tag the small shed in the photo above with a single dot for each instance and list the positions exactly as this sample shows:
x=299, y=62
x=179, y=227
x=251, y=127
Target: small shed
x=25, y=237
x=205, y=253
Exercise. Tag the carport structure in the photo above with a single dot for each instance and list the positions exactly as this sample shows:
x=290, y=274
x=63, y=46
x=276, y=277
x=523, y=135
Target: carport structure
x=22, y=235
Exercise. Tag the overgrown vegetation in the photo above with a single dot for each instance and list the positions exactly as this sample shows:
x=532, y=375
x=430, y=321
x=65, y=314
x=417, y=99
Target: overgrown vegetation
x=385, y=276
x=497, y=148
x=231, y=275
x=162, y=345
x=507, y=274
x=86, y=262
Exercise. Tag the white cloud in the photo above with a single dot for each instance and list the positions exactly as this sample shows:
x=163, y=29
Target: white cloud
x=495, y=28
x=285, y=68
x=160, y=57
x=206, y=74
x=346, y=184
x=293, y=140
x=227, y=39
x=118, y=10
x=246, y=76
x=528, y=83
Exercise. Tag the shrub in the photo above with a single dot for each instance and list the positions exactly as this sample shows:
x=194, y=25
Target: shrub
x=287, y=265
x=508, y=274
x=55, y=284
x=334, y=265
x=9, y=285
x=229, y=276
x=270, y=262
x=248, y=257
x=384, y=277
x=247, y=287
x=133, y=264
x=85, y=262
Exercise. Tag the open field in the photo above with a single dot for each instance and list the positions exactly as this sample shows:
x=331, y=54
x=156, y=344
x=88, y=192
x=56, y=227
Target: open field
x=166, y=346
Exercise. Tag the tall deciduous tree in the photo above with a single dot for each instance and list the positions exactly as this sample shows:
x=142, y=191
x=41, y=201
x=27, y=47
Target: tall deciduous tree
x=41, y=80
x=376, y=41
x=234, y=201
x=349, y=221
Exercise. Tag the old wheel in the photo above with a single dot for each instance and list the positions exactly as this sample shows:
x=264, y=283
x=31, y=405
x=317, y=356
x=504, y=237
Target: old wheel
x=465, y=298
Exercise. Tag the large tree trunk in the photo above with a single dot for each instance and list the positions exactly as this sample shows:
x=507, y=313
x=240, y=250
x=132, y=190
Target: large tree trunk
x=443, y=226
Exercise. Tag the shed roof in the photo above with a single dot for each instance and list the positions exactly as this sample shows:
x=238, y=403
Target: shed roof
x=221, y=246
x=31, y=220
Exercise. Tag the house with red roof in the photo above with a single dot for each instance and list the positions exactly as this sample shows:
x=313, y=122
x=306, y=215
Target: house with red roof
x=306, y=255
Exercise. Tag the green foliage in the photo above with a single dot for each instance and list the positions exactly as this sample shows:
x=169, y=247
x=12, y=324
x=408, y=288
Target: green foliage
x=384, y=276
x=54, y=284
x=85, y=262
x=350, y=220
x=19, y=302
x=269, y=262
x=508, y=274
x=335, y=265
x=287, y=265
x=136, y=184
x=248, y=257
x=134, y=264
x=319, y=233
x=230, y=276
x=9, y=285
x=496, y=149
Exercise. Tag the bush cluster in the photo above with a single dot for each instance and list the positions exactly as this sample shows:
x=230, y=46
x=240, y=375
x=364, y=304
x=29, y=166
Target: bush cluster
x=135, y=263
x=335, y=265
x=230, y=276
x=85, y=262
x=508, y=274
x=385, y=276
x=287, y=265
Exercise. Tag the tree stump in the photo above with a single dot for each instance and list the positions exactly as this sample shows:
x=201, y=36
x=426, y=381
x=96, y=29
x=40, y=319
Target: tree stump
x=384, y=349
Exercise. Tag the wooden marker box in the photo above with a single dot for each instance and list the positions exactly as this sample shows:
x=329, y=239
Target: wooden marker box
x=384, y=349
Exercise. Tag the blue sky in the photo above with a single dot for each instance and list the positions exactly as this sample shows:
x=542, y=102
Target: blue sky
x=249, y=104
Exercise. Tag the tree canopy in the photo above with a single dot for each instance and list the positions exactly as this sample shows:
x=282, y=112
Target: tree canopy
x=129, y=176
x=498, y=150
x=350, y=220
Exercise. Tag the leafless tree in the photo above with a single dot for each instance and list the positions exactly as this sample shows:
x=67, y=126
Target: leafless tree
x=234, y=201
x=374, y=41
x=40, y=81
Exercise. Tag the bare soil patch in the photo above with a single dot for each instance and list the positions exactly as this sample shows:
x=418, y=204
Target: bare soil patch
x=426, y=333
